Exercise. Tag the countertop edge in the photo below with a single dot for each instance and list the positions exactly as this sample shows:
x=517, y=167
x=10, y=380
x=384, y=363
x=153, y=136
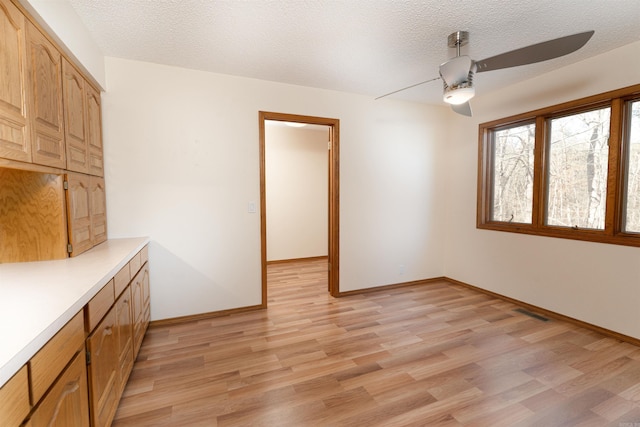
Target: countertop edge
x=13, y=365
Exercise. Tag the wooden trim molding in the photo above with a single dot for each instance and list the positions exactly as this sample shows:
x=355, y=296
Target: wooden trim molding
x=549, y=313
x=534, y=308
x=293, y=260
x=203, y=316
x=392, y=286
x=530, y=307
x=612, y=233
x=334, y=194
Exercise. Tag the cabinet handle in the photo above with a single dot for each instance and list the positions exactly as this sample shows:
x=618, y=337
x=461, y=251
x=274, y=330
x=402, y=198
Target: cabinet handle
x=107, y=331
x=70, y=388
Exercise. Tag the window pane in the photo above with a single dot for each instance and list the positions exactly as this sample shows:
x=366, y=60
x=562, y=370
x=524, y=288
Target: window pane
x=632, y=211
x=577, y=170
x=512, y=191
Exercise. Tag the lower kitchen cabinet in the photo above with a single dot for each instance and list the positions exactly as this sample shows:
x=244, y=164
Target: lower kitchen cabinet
x=113, y=345
x=14, y=396
x=140, y=304
x=65, y=405
x=124, y=328
x=77, y=377
x=102, y=348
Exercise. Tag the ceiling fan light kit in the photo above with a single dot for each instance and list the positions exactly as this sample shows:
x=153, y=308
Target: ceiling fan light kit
x=459, y=94
x=457, y=73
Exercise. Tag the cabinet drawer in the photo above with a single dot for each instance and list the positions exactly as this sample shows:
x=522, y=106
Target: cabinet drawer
x=47, y=364
x=14, y=396
x=99, y=306
x=122, y=279
x=66, y=404
x=134, y=264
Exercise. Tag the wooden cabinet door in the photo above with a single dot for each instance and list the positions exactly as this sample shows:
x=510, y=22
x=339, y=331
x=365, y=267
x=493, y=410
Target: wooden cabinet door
x=146, y=294
x=98, y=210
x=77, y=150
x=44, y=64
x=15, y=142
x=33, y=225
x=94, y=131
x=78, y=212
x=14, y=396
x=125, y=336
x=137, y=301
x=140, y=305
x=66, y=403
x=102, y=345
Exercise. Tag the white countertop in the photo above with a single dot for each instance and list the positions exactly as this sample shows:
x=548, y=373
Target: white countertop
x=38, y=298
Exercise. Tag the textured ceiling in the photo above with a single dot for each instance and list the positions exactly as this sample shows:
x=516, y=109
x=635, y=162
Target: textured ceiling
x=370, y=47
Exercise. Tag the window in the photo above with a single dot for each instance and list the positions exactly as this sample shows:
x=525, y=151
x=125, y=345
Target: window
x=577, y=171
x=632, y=199
x=570, y=171
x=512, y=181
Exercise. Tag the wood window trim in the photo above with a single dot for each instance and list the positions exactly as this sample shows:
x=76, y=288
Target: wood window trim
x=613, y=232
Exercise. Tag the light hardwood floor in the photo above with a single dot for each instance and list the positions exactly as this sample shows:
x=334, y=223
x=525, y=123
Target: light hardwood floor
x=427, y=355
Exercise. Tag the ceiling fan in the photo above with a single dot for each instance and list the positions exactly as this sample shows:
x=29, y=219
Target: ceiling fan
x=457, y=73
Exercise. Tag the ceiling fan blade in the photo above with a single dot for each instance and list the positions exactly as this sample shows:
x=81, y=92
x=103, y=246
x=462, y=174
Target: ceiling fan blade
x=464, y=109
x=408, y=87
x=535, y=53
x=456, y=70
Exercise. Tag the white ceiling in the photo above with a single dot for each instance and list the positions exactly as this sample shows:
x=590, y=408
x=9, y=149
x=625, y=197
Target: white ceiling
x=370, y=47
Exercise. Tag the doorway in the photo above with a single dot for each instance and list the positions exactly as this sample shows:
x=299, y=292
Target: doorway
x=333, y=193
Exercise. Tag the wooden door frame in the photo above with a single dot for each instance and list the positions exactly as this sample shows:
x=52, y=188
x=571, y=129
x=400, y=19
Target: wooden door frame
x=334, y=195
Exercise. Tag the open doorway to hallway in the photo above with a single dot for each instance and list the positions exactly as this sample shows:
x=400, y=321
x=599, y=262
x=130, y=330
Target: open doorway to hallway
x=299, y=219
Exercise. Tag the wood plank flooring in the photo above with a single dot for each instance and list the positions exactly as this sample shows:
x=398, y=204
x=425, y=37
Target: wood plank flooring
x=429, y=355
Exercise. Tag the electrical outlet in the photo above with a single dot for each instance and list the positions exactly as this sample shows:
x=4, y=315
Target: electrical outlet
x=401, y=269
x=252, y=207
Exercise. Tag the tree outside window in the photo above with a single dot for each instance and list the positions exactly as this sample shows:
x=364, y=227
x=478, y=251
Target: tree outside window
x=632, y=200
x=513, y=174
x=570, y=171
x=577, y=170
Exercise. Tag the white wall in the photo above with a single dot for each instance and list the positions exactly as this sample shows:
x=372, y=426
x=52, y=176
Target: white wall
x=181, y=164
x=593, y=282
x=63, y=23
x=297, y=199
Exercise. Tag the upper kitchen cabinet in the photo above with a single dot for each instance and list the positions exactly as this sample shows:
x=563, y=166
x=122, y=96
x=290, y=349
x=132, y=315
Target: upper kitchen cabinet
x=75, y=129
x=15, y=142
x=49, y=110
x=79, y=213
x=32, y=216
x=94, y=131
x=82, y=130
x=50, y=125
x=98, y=200
x=86, y=212
x=44, y=63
